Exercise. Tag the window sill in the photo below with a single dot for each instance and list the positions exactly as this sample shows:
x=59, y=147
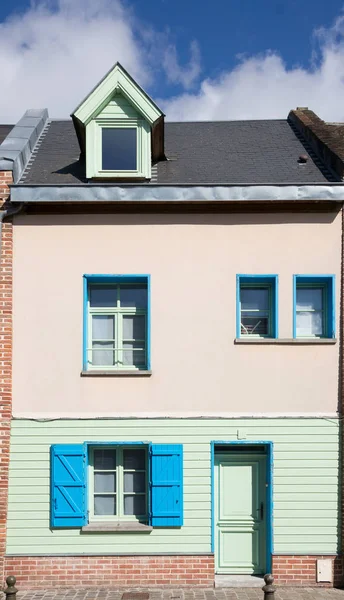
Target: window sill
x=129, y=373
x=287, y=341
x=119, y=526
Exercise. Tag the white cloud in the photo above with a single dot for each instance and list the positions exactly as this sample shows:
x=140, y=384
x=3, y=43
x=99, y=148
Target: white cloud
x=186, y=75
x=262, y=86
x=52, y=55
x=55, y=52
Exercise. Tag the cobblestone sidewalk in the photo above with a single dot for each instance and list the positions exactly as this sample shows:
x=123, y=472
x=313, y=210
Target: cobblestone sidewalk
x=185, y=594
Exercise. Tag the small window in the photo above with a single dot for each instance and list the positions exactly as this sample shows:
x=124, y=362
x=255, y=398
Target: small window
x=314, y=306
x=257, y=306
x=116, y=321
x=118, y=489
x=119, y=149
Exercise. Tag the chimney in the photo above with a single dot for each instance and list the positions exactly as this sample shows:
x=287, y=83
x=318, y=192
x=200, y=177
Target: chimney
x=325, y=139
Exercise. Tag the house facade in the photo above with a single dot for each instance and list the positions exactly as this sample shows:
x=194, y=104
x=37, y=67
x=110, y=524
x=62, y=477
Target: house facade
x=170, y=325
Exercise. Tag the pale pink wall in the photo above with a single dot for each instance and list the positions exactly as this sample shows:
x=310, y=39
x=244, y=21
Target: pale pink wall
x=193, y=261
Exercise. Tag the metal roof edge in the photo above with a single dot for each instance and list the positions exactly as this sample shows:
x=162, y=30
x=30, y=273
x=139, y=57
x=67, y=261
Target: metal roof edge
x=17, y=147
x=175, y=194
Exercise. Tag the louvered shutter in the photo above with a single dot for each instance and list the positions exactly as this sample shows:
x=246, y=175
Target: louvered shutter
x=166, y=485
x=68, y=485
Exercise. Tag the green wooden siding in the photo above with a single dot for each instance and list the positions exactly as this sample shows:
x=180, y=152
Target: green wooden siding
x=305, y=483
x=119, y=107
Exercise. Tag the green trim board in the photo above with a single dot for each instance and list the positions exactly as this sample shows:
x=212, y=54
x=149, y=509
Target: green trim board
x=305, y=482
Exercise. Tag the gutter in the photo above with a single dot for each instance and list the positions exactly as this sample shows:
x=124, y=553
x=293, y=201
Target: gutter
x=178, y=194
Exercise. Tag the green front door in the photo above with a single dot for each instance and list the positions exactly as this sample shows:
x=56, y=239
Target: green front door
x=240, y=513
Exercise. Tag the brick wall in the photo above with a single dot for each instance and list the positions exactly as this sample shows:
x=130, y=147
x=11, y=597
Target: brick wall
x=112, y=571
x=5, y=362
x=302, y=570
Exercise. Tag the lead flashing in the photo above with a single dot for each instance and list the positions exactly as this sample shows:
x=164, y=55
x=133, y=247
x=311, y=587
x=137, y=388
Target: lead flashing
x=85, y=193
x=17, y=147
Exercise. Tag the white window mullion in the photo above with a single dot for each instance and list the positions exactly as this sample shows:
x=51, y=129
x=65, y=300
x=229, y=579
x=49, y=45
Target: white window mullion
x=119, y=343
x=120, y=510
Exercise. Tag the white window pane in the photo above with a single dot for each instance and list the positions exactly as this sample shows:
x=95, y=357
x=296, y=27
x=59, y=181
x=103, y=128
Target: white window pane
x=134, y=459
x=133, y=295
x=134, y=354
x=254, y=325
x=254, y=298
x=309, y=323
x=105, y=482
x=102, y=355
x=102, y=327
x=103, y=296
x=134, y=327
x=104, y=459
x=134, y=482
x=104, y=505
x=134, y=505
x=309, y=299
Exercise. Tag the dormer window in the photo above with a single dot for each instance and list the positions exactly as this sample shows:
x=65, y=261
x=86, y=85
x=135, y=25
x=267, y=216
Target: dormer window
x=120, y=129
x=119, y=149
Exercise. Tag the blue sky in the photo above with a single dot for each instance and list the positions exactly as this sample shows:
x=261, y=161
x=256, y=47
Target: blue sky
x=199, y=59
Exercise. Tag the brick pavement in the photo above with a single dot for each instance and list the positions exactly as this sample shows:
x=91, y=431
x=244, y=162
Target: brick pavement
x=282, y=593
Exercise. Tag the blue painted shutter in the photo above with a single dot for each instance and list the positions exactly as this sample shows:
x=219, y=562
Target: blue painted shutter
x=68, y=485
x=166, y=485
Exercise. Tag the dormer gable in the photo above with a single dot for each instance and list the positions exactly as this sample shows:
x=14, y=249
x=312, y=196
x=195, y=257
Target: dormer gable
x=120, y=129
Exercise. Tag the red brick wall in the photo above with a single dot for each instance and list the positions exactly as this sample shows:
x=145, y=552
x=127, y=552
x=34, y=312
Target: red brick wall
x=5, y=363
x=111, y=571
x=302, y=570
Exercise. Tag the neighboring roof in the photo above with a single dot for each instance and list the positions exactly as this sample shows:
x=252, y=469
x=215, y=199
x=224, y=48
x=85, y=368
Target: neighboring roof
x=326, y=139
x=4, y=131
x=16, y=150
x=218, y=152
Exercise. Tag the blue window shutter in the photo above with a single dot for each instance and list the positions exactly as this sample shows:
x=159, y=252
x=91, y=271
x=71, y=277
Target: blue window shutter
x=68, y=485
x=166, y=485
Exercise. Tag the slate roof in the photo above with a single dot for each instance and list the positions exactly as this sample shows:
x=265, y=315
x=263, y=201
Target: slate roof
x=217, y=152
x=4, y=131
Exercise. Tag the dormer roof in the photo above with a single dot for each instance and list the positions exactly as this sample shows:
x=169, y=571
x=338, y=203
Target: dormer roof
x=118, y=80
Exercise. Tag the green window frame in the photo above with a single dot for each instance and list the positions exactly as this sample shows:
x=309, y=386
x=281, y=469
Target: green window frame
x=116, y=323
x=254, y=321
x=94, y=159
x=128, y=486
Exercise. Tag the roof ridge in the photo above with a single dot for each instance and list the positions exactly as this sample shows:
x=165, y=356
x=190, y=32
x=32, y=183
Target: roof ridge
x=35, y=150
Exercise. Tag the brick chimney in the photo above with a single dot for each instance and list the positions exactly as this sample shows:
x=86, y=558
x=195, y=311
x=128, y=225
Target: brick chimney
x=326, y=139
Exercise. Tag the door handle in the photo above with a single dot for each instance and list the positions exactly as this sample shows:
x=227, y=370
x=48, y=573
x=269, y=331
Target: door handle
x=262, y=511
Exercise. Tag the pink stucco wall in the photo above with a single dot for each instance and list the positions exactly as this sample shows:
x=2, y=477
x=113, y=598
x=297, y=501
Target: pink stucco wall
x=193, y=261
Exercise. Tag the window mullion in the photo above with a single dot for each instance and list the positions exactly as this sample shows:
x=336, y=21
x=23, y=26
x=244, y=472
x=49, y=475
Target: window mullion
x=120, y=483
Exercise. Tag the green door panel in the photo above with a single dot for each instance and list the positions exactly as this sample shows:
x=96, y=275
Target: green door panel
x=240, y=513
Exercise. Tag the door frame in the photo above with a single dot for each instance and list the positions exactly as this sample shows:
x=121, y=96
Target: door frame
x=269, y=491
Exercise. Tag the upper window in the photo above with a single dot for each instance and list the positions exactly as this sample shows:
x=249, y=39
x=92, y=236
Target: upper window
x=314, y=306
x=119, y=149
x=257, y=306
x=116, y=322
